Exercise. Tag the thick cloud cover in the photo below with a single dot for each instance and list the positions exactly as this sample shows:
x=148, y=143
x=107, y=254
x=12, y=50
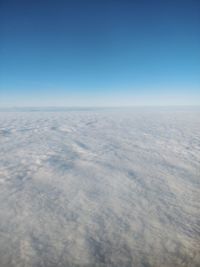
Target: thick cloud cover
x=100, y=188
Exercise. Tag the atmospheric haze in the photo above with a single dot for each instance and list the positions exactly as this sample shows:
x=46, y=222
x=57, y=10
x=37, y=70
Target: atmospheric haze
x=106, y=188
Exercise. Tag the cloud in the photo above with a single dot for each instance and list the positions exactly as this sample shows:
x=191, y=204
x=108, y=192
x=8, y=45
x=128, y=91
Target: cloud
x=100, y=188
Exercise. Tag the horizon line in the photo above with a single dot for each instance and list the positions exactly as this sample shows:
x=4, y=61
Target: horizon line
x=98, y=107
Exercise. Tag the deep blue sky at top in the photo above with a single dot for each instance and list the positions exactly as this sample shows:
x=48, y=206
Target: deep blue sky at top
x=99, y=52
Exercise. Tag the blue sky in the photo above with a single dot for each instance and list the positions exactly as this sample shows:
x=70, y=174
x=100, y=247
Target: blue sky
x=99, y=53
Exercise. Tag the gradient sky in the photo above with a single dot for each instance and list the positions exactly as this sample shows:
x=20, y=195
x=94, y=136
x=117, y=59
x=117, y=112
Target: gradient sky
x=99, y=52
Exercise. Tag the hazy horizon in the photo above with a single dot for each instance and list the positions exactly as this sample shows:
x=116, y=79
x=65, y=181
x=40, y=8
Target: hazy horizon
x=103, y=107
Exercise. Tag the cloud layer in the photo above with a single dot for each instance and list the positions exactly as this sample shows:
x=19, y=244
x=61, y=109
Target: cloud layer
x=100, y=188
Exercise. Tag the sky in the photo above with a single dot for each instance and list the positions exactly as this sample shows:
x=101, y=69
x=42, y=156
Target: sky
x=99, y=52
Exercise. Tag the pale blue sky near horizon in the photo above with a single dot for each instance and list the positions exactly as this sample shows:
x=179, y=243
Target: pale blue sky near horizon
x=99, y=53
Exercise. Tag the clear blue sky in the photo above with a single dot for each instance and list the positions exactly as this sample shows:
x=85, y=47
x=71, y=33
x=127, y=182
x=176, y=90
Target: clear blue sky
x=99, y=52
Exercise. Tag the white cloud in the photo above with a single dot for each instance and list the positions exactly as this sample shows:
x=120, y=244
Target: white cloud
x=105, y=187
